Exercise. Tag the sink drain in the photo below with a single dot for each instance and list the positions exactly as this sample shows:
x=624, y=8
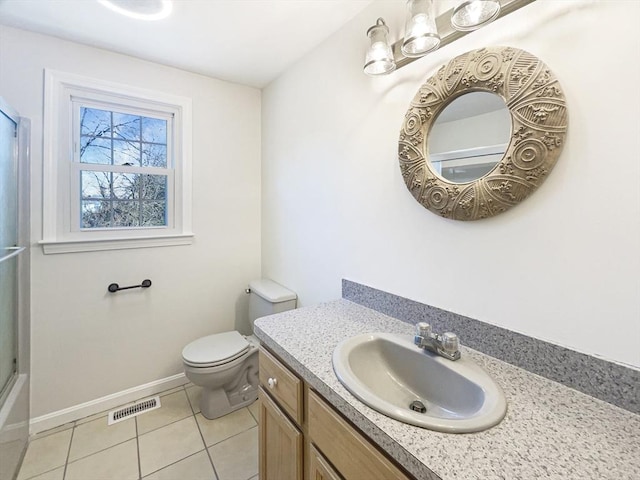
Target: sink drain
x=418, y=406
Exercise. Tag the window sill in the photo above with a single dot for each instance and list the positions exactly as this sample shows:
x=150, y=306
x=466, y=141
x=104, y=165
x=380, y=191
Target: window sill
x=74, y=246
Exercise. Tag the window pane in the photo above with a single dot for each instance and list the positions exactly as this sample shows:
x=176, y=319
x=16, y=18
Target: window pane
x=95, y=214
x=126, y=214
x=95, y=185
x=112, y=199
x=126, y=153
x=126, y=186
x=154, y=130
x=126, y=126
x=95, y=150
x=94, y=122
x=154, y=214
x=154, y=155
x=154, y=187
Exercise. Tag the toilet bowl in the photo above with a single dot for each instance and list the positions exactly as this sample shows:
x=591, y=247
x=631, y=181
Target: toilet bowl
x=225, y=364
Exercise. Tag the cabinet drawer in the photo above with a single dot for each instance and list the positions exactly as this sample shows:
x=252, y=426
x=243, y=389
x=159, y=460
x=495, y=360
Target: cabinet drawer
x=347, y=450
x=283, y=385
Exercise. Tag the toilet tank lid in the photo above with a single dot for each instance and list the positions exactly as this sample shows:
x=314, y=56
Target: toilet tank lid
x=271, y=291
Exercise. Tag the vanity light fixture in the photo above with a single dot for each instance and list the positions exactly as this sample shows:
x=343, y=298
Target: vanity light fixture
x=421, y=35
x=472, y=14
x=379, y=59
x=424, y=33
x=140, y=9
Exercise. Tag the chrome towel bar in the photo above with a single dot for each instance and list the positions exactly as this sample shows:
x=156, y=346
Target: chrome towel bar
x=13, y=252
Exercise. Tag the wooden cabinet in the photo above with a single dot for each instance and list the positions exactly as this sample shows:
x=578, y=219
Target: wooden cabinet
x=348, y=450
x=303, y=437
x=280, y=443
x=319, y=468
x=283, y=385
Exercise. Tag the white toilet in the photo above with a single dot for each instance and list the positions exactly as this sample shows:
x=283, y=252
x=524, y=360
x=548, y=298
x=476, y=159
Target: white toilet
x=225, y=365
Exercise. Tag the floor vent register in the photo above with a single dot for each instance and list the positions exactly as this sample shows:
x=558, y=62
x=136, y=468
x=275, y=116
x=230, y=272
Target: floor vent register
x=133, y=409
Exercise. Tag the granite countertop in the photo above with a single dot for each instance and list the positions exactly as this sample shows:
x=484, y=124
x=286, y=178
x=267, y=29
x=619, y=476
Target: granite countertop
x=550, y=431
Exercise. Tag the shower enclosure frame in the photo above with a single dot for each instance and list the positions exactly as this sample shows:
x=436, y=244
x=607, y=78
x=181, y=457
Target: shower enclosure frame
x=14, y=404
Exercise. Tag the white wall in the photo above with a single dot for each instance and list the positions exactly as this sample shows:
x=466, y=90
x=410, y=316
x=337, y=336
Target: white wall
x=562, y=266
x=87, y=343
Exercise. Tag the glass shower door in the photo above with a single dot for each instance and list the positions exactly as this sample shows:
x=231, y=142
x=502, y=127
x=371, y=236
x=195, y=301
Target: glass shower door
x=9, y=251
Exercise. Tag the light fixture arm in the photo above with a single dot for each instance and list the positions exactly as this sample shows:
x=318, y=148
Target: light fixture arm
x=448, y=34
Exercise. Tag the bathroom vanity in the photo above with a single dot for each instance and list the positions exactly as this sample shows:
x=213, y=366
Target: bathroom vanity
x=313, y=428
x=310, y=429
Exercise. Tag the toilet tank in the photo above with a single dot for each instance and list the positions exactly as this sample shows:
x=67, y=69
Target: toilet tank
x=268, y=297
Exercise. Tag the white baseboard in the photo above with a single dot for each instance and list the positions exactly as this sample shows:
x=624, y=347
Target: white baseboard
x=55, y=419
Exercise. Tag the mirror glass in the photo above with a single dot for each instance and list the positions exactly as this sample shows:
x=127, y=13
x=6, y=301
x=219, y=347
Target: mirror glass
x=469, y=137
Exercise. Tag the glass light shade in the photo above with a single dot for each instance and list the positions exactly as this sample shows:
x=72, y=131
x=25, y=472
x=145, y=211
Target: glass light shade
x=420, y=32
x=471, y=14
x=379, y=59
x=140, y=9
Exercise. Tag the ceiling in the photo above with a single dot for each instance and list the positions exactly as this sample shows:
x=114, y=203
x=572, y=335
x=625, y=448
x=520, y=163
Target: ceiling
x=250, y=42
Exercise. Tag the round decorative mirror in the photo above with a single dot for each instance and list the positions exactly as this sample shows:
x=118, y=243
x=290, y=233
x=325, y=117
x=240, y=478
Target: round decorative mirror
x=482, y=133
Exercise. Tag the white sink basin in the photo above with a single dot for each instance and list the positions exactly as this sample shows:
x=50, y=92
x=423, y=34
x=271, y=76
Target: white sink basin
x=388, y=372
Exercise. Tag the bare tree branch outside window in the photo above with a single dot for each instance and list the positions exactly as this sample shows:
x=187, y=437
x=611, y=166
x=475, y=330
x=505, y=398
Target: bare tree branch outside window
x=113, y=199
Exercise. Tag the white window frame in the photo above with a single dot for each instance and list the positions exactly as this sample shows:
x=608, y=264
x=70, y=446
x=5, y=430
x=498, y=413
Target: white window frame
x=64, y=92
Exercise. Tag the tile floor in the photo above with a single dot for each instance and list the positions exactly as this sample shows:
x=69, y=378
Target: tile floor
x=173, y=442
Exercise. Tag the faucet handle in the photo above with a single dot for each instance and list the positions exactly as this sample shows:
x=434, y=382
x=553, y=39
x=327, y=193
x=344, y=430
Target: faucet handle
x=450, y=342
x=423, y=329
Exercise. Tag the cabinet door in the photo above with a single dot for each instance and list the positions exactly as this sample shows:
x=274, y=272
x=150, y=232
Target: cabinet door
x=280, y=443
x=319, y=468
x=348, y=451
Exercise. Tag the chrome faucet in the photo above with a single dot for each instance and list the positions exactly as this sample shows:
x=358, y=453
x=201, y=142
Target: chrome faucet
x=445, y=345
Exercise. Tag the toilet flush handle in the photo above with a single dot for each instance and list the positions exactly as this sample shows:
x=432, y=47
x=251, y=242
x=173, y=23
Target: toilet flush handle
x=272, y=382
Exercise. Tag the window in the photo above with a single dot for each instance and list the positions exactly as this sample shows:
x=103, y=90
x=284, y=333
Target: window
x=121, y=164
x=117, y=166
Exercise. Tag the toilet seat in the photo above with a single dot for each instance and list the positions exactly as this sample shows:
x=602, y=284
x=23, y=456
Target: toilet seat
x=214, y=350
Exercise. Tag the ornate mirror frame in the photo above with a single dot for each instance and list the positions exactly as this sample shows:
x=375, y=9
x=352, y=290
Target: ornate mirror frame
x=538, y=129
